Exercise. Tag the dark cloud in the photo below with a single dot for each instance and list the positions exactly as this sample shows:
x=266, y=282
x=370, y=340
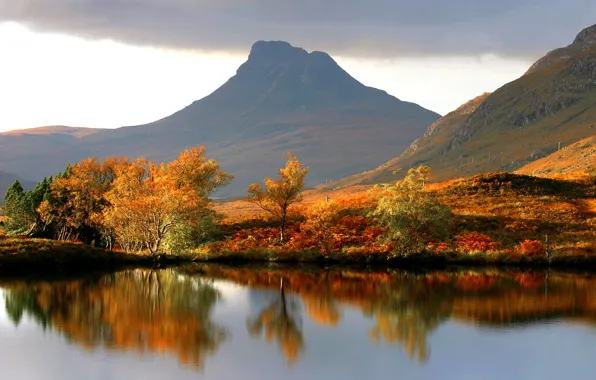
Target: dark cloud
x=391, y=28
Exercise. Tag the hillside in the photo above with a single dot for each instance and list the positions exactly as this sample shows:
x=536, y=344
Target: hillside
x=54, y=130
x=523, y=121
x=574, y=160
x=281, y=99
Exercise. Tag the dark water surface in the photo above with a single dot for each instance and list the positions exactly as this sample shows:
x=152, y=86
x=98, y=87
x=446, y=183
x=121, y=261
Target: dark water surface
x=213, y=322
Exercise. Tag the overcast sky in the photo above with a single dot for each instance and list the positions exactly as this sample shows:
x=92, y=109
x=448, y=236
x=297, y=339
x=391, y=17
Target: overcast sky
x=106, y=63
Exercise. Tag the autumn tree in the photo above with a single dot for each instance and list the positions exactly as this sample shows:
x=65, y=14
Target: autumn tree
x=78, y=199
x=278, y=195
x=411, y=216
x=150, y=202
x=320, y=220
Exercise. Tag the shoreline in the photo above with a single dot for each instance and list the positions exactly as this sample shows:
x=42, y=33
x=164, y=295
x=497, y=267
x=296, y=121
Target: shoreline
x=36, y=256
x=416, y=261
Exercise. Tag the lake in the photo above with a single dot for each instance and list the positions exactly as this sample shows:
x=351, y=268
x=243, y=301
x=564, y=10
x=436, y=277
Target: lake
x=217, y=322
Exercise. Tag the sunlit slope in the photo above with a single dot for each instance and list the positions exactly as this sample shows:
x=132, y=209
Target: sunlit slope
x=523, y=121
x=577, y=159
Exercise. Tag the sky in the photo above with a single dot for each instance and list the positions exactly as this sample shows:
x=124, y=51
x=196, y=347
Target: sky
x=112, y=63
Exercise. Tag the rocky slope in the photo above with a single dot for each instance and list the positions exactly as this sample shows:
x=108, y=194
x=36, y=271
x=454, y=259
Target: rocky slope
x=553, y=103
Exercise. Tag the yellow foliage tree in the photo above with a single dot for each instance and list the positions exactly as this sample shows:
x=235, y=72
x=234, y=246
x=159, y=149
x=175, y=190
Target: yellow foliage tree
x=320, y=219
x=278, y=195
x=147, y=201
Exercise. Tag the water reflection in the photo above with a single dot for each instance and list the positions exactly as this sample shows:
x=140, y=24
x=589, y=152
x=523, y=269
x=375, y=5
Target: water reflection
x=281, y=322
x=144, y=311
x=171, y=312
x=407, y=307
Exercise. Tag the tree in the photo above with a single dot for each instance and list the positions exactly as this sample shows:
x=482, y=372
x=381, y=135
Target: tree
x=411, y=216
x=320, y=220
x=278, y=195
x=21, y=207
x=78, y=199
x=150, y=202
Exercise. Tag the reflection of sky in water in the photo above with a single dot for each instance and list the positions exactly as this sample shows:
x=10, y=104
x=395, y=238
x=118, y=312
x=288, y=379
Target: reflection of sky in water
x=458, y=351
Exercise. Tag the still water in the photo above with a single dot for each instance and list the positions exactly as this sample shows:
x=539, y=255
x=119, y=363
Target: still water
x=212, y=322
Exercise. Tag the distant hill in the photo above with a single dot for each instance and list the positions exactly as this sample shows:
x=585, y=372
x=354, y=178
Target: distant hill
x=521, y=122
x=281, y=99
x=574, y=160
x=54, y=130
x=7, y=179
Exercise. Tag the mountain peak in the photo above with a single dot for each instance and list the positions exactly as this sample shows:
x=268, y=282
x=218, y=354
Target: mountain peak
x=275, y=51
x=586, y=35
x=585, y=40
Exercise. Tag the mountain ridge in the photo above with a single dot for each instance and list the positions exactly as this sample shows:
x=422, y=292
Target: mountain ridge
x=281, y=99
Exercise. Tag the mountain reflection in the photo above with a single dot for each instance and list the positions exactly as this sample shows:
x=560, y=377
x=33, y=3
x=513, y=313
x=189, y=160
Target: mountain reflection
x=170, y=311
x=140, y=310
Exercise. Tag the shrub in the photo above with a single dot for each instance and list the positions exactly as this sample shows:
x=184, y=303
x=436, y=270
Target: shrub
x=531, y=248
x=410, y=216
x=474, y=242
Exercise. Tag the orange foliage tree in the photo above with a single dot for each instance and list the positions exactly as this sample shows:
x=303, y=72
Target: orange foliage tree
x=78, y=198
x=320, y=220
x=278, y=195
x=139, y=203
x=148, y=201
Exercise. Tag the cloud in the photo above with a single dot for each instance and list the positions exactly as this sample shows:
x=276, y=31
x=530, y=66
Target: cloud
x=375, y=28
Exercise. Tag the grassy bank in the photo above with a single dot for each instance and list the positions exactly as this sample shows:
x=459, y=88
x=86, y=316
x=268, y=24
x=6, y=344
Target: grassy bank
x=422, y=260
x=22, y=256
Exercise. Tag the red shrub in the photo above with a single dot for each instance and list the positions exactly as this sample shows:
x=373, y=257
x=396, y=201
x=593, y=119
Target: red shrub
x=475, y=241
x=531, y=248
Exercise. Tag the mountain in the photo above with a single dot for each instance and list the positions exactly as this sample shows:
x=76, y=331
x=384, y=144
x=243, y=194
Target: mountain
x=7, y=179
x=574, y=160
x=553, y=103
x=281, y=99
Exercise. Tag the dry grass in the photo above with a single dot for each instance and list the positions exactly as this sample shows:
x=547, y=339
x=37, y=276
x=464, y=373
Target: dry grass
x=19, y=255
x=573, y=161
x=508, y=208
x=241, y=209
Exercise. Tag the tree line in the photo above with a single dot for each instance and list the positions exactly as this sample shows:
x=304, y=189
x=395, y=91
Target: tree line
x=144, y=206
x=141, y=205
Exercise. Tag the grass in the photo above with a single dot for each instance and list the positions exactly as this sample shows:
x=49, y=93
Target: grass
x=23, y=255
x=422, y=260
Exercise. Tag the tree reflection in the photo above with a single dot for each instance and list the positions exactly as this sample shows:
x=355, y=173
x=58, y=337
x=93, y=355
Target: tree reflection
x=281, y=322
x=409, y=312
x=143, y=311
x=407, y=307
